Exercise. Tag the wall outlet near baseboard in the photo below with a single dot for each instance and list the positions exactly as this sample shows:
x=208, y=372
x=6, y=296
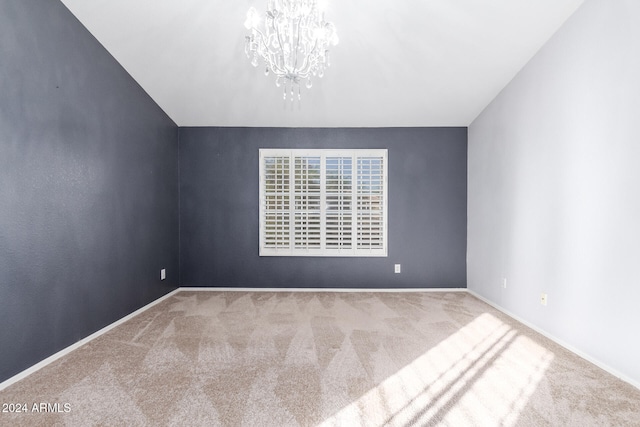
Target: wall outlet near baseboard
x=543, y=298
x=163, y=274
x=396, y=268
x=504, y=283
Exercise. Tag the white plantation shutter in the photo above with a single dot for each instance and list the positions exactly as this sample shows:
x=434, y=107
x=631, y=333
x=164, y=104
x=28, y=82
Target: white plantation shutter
x=323, y=202
x=306, y=196
x=369, y=204
x=339, y=202
x=276, y=202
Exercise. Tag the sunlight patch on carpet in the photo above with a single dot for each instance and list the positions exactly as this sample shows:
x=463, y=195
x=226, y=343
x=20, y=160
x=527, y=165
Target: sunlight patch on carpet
x=484, y=372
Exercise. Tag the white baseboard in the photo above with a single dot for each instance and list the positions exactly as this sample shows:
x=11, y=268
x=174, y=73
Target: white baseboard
x=558, y=341
x=209, y=289
x=80, y=343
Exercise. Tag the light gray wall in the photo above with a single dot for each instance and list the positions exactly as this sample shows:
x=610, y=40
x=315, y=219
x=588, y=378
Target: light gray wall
x=554, y=188
x=88, y=186
x=219, y=209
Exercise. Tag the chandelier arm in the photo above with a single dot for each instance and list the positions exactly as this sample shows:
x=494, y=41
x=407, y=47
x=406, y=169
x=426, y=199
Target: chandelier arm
x=262, y=37
x=274, y=66
x=262, y=40
x=295, y=66
x=277, y=69
x=306, y=66
x=284, y=64
x=310, y=61
x=273, y=63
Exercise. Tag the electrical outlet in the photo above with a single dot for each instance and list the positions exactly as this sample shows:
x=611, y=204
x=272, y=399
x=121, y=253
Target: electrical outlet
x=163, y=274
x=543, y=299
x=396, y=268
x=504, y=283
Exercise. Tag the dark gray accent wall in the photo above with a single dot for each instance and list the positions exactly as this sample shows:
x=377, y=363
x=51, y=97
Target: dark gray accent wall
x=88, y=186
x=219, y=209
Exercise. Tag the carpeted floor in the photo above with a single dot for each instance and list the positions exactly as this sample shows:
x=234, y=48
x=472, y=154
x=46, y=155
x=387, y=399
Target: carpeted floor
x=321, y=358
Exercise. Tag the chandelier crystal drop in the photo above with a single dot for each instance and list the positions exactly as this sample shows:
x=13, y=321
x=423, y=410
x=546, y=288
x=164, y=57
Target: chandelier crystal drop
x=292, y=39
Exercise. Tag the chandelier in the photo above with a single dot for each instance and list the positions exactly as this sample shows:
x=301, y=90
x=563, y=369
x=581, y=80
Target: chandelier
x=292, y=39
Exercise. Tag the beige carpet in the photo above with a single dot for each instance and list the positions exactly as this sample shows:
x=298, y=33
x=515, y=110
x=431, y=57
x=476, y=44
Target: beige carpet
x=314, y=358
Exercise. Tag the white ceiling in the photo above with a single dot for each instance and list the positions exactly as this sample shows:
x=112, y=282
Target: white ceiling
x=399, y=63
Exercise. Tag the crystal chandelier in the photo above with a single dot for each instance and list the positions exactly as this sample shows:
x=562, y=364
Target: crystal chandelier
x=293, y=39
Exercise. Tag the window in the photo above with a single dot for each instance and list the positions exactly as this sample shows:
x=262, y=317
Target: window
x=323, y=202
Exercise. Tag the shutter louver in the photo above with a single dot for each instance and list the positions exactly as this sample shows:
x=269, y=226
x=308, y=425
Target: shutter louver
x=370, y=212
x=339, y=202
x=307, y=203
x=276, y=202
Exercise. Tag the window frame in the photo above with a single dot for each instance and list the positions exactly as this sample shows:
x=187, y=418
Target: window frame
x=285, y=200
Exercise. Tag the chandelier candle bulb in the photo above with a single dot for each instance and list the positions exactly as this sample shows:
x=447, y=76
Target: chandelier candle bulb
x=292, y=39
